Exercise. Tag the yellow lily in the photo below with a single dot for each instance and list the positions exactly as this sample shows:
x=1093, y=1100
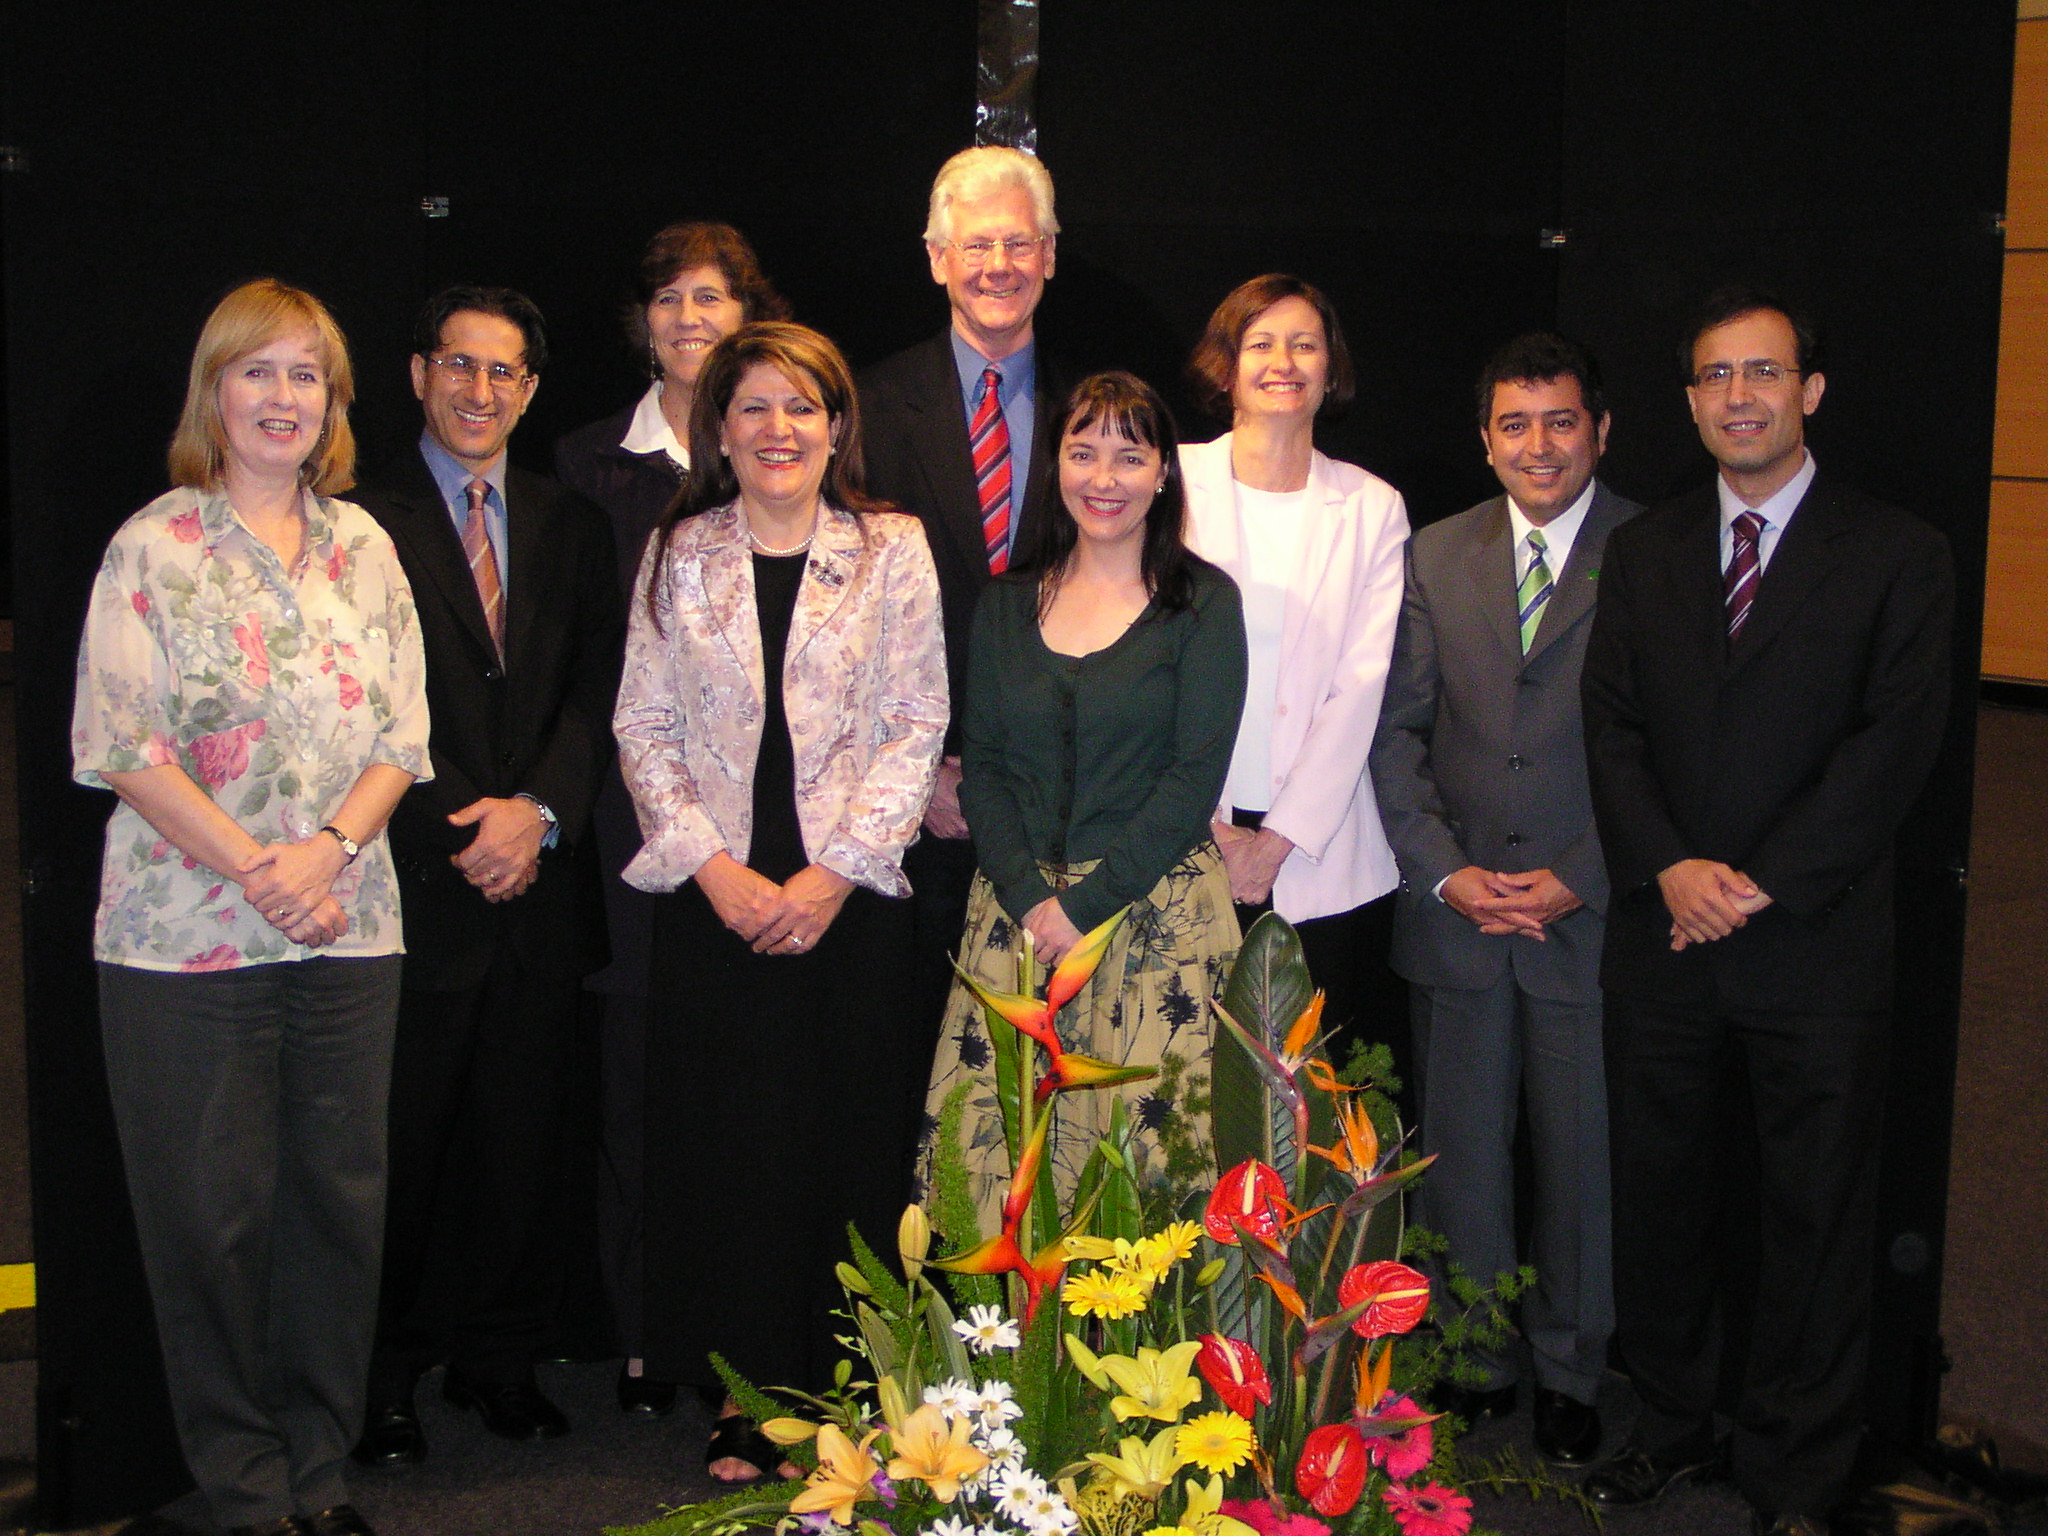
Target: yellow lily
x=1142, y=1469
x=1088, y=1363
x=1158, y=1384
x=1203, y=1512
x=935, y=1452
x=845, y=1475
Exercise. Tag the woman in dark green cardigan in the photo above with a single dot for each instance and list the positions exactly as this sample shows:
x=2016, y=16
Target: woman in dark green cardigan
x=1103, y=695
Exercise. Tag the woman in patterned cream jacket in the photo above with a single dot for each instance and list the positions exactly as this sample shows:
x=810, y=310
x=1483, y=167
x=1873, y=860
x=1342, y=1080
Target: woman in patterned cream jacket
x=779, y=727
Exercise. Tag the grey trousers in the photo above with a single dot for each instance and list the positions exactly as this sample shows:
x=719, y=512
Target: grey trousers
x=1478, y=1051
x=251, y=1105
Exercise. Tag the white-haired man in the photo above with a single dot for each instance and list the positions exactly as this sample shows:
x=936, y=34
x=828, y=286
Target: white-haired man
x=959, y=432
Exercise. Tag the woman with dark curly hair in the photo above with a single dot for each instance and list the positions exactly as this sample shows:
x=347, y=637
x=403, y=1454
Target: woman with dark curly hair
x=696, y=283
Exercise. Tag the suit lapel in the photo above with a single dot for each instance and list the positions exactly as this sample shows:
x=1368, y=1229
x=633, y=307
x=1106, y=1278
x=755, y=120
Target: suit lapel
x=1801, y=561
x=1314, y=551
x=941, y=435
x=729, y=592
x=1578, y=582
x=526, y=545
x=828, y=577
x=1490, y=577
x=438, y=549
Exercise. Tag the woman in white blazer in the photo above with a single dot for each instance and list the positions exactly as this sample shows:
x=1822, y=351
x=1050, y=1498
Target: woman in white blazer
x=1316, y=548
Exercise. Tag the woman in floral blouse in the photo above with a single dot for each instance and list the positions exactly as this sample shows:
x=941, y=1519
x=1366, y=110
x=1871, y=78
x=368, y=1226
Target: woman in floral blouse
x=251, y=685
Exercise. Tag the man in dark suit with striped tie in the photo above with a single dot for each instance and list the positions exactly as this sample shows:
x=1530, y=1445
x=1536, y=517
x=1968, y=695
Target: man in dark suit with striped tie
x=958, y=432
x=1765, y=691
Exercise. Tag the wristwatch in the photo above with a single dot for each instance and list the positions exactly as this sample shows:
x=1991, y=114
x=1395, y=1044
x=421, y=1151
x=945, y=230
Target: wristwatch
x=349, y=846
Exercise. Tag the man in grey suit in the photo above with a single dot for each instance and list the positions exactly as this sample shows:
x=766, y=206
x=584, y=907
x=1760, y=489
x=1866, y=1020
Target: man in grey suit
x=1480, y=769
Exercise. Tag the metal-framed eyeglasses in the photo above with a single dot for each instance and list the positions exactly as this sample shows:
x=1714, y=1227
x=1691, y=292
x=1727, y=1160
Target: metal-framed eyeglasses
x=463, y=369
x=1713, y=380
x=976, y=253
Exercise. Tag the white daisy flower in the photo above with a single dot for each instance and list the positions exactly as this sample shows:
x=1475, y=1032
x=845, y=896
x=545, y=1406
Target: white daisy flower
x=986, y=1330
x=951, y=1526
x=1017, y=1492
x=1050, y=1515
x=954, y=1398
x=1002, y=1447
x=996, y=1405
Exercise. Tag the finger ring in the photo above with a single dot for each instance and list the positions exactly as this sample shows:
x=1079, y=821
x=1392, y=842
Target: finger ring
x=795, y=942
x=281, y=913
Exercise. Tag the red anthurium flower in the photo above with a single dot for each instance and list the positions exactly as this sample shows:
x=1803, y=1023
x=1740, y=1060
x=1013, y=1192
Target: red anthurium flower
x=1251, y=1194
x=1399, y=1297
x=1331, y=1472
x=1235, y=1373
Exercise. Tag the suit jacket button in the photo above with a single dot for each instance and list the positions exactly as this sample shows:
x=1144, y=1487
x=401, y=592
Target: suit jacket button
x=507, y=758
x=490, y=674
x=1514, y=839
x=1516, y=761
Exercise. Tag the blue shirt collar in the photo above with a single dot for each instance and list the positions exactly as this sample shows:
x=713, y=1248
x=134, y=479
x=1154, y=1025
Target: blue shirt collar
x=452, y=477
x=1017, y=370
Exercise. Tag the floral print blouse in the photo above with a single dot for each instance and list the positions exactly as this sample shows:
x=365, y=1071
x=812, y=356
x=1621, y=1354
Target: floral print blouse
x=273, y=690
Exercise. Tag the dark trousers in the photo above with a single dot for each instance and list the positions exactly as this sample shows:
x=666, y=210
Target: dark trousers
x=1479, y=1052
x=250, y=1105
x=1816, y=1082
x=941, y=873
x=472, y=1254
x=621, y=1214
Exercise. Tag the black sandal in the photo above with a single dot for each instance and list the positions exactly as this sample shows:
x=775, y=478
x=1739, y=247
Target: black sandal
x=737, y=1437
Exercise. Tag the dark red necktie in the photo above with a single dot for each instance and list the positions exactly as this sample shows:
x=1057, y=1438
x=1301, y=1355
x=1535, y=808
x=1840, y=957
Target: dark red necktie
x=1739, y=586
x=988, y=438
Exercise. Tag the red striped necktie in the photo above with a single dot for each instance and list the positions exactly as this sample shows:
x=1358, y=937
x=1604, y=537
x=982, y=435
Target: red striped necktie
x=1739, y=585
x=988, y=439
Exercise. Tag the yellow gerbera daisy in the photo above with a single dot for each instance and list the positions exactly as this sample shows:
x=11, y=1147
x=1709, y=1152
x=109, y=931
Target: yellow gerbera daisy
x=1101, y=1294
x=1218, y=1443
x=1178, y=1239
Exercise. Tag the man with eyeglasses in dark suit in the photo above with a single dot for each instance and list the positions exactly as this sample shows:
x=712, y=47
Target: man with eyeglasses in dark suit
x=514, y=580
x=1765, y=691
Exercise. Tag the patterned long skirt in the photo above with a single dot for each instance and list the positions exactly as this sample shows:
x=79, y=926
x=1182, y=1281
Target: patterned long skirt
x=1148, y=1004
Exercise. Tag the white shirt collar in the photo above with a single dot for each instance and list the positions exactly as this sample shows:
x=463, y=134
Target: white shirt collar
x=1559, y=533
x=1776, y=510
x=650, y=431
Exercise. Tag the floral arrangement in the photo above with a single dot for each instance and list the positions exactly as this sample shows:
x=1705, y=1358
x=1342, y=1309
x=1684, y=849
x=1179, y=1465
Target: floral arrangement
x=1240, y=1359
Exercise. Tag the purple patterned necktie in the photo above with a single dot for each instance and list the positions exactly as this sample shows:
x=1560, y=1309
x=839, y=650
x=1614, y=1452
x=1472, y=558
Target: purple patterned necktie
x=1740, y=583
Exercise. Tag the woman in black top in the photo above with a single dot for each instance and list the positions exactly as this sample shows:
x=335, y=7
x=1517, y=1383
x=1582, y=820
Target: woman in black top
x=1104, y=688
x=779, y=724
x=695, y=284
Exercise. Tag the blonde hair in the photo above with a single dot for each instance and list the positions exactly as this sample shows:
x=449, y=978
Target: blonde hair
x=982, y=172
x=252, y=316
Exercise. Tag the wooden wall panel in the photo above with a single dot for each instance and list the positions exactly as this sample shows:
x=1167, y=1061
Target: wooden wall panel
x=2016, y=582
x=2021, y=444
x=2026, y=197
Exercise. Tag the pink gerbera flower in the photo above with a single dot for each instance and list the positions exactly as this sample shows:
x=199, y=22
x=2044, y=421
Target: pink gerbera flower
x=1262, y=1517
x=1429, y=1511
x=1401, y=1455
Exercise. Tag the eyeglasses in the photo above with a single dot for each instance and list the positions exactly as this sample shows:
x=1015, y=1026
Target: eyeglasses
x=463, y=370
x=977, y=252
x=1717, y=378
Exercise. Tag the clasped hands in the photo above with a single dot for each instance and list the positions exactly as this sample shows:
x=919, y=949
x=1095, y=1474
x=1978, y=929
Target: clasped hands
x=503, y=859
x=1501, y=904
x=287, y=884
x=786, y=919
x=1251, y=860
x=1707, y=900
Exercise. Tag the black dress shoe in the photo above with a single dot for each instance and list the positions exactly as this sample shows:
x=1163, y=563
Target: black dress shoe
x=342, y=1520
x=283, y=1525
x=513, y=1410
x=1567, y=1430
x=392, y=1436
x=649, y=1397
x=1787, y=1525
x=1475, y=1405
x=1633, y=1478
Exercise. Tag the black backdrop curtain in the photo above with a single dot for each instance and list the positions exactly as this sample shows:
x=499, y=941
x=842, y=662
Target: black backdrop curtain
x=1448, y=174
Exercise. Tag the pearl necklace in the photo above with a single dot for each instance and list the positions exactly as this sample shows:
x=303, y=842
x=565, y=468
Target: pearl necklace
x=770, y=550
